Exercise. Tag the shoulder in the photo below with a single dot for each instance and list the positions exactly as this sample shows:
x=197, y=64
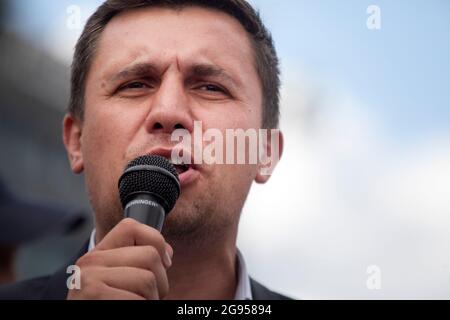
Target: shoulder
x=33, y=289
x=260, y=292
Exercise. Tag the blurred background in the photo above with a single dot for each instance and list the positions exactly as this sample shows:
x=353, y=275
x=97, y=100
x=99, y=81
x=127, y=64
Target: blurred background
x=362, y=194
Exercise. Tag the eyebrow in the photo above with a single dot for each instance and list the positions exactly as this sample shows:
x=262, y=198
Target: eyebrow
x=135, y=70
x=195, y=71
x=210, y=70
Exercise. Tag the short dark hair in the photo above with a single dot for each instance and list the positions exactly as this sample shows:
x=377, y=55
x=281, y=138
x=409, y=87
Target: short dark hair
x=266, y=60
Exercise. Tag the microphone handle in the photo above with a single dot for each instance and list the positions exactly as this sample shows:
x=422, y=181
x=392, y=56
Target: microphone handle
x=145, y=209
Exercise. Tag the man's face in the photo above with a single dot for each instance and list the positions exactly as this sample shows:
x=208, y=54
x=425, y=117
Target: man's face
x=157, y=70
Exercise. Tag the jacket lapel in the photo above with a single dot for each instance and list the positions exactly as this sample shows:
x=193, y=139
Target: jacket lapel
x=57, y=285
x=259, y=292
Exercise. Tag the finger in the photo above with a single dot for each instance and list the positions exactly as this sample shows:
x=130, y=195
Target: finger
x=145, y=258
x=103, y=292
x=169, y=250
x=118, y=294
x=130, y=233
x=142, y=257
x=141, y=282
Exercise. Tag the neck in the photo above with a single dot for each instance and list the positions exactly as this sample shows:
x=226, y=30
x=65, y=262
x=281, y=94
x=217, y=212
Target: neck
x=207, y=273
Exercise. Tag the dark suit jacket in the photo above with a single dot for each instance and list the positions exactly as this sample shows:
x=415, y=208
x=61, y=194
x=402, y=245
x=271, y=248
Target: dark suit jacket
x=54, y=287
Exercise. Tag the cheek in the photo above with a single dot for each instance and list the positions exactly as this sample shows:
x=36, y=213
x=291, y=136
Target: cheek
x=108, y=132
x=104, y=142
x=235, y=184
x=100, y=142
x=231, y=117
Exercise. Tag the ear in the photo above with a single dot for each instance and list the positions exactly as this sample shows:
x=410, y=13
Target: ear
x=72, y=130
x=270, y=155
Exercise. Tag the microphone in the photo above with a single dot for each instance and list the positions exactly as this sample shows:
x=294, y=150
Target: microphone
x=149, y=189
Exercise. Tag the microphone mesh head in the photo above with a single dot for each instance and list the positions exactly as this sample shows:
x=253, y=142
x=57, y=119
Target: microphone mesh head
x=154, y=175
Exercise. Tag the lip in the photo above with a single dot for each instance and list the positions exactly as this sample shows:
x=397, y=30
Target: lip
x=187, y=177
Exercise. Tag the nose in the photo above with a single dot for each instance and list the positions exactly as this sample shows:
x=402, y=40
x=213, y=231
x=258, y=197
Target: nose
x=169, y=108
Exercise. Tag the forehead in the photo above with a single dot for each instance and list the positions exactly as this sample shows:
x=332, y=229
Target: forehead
x=191, y=35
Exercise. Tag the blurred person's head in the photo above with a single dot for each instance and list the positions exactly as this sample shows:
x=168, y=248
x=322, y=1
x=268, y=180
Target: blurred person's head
x=23, y=222
x=143, y=69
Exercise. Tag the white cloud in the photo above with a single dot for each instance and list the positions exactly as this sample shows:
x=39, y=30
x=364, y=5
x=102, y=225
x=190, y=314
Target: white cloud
x=344, y=198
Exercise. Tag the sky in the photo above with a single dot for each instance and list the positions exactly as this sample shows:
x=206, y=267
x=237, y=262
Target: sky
x=364, y=179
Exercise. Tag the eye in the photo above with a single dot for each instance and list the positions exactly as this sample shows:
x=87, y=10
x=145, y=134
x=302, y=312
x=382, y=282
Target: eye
x=212, y=91
x=212, y=88
x=134, y=85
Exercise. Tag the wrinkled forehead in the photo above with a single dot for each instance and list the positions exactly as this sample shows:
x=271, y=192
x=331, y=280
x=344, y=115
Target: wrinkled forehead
x=191, y=35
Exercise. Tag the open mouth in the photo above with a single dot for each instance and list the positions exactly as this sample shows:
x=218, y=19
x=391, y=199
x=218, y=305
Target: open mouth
x=181, y=168
x=187, y=173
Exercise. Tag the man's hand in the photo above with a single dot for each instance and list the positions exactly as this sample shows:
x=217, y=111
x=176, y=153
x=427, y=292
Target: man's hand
x=129, y=263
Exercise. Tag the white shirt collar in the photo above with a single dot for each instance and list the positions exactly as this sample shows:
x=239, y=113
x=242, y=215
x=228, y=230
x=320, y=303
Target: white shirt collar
x=243, y=288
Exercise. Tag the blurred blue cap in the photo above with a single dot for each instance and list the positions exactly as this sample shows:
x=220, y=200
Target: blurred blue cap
x=24, y=221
